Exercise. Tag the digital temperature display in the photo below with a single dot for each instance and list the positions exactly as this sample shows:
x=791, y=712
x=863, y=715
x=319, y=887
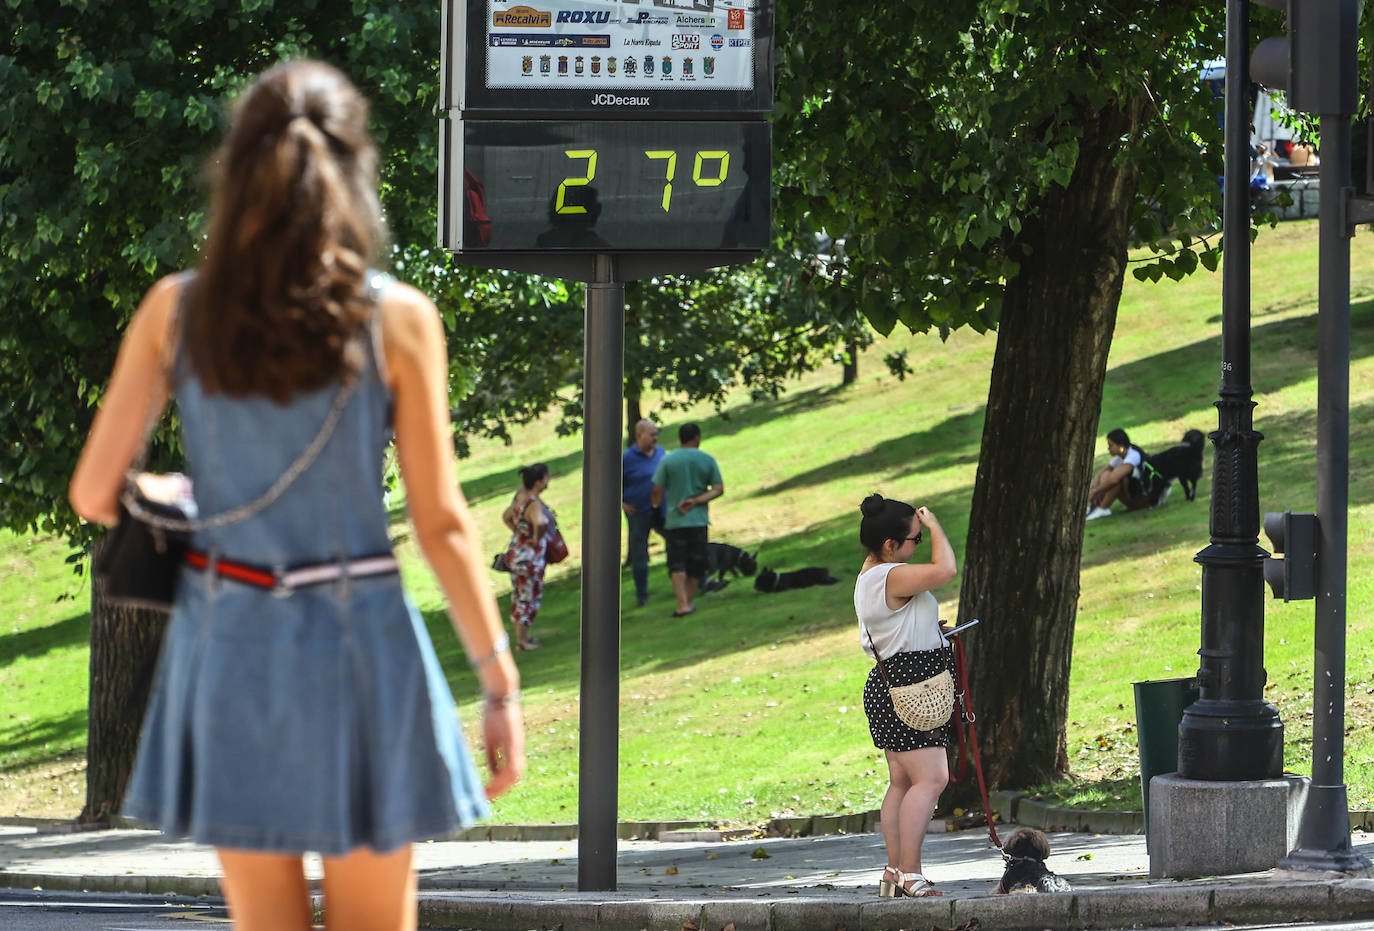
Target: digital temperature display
x=610, y=186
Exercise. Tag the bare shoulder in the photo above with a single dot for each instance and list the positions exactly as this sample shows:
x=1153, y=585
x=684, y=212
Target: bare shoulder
x=150, y=319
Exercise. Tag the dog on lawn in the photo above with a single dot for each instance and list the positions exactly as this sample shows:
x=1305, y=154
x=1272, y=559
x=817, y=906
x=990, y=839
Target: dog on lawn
x=1182, y=463
x=1025, y=853
x=770, y=581
x=725, y=558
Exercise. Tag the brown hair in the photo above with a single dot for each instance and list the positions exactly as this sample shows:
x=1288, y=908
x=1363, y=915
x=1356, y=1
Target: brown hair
x=282, y=290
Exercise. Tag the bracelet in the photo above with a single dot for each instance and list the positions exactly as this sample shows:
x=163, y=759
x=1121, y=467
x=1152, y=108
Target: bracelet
x=502, y=645
x=502, y=701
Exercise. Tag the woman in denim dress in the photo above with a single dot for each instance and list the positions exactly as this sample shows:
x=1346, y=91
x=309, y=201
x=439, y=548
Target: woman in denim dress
x=307, y=713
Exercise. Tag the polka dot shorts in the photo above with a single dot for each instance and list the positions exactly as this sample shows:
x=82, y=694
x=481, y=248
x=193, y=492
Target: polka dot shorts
x=889, y=731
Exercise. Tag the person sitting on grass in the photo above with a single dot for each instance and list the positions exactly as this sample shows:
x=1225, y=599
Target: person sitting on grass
x=1119, y=479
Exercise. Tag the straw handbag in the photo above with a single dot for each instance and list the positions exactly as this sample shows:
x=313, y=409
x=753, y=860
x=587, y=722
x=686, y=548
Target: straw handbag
x=923, y=705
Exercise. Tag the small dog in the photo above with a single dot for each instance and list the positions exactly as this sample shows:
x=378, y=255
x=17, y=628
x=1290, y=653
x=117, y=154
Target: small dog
x=770, y=581
x=1182, y=462
x=1025, y=853
x=726, y=558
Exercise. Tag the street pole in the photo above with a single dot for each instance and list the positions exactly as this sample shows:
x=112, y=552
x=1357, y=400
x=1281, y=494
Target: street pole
x=1231, y=733
x=1324, y=834
x=599, y=717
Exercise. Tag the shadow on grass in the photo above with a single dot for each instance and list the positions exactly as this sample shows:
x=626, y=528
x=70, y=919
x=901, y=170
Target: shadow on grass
x=737, y=618
x=36, y=641
x=60, y=734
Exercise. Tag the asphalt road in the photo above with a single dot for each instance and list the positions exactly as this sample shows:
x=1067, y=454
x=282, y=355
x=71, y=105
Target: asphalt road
x=75, y=911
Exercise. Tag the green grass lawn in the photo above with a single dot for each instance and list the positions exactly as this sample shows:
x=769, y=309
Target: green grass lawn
x=750, y=708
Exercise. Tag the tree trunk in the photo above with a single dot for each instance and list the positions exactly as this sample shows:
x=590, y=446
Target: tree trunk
x=633, y=389
x=1026, y=519
x=851, y=363
x=124, y=649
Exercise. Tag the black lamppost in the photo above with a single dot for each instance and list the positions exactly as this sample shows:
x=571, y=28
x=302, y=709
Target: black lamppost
x=1231, y=733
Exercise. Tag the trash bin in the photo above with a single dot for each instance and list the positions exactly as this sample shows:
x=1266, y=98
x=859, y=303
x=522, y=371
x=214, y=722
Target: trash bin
x=1159, y=706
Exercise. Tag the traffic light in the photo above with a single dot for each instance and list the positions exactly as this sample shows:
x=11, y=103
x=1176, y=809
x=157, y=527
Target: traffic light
x=1315, y=64
x=1294, y=537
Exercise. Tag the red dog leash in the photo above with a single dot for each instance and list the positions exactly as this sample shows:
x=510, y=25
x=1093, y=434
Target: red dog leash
x=965, y=715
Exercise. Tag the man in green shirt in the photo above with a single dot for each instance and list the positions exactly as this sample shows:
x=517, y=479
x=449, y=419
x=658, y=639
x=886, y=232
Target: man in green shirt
x=685, y=480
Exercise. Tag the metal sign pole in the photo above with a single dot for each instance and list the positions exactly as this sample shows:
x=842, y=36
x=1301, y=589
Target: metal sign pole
x=598, y=752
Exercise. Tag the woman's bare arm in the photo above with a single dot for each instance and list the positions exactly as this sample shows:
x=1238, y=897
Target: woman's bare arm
x=418, y=362
x=137, y=393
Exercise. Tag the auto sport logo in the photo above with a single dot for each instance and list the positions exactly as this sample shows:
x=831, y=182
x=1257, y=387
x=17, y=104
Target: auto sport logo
x=717, y=42
x=736, y=19
x=683, y=41
x=522, y=16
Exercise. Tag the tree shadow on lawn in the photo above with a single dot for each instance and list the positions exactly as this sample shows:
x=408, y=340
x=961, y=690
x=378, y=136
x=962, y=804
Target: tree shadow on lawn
x=37, y=641
x=63, y=733
x=1138, y=391
x=504, y=481
x=953, y=442
x=726, y=622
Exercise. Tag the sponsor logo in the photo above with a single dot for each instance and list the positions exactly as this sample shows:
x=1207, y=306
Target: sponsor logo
x=499, y=41
x=695, y=19
x=741, y=43
x=596, y=41
x=584, y=16
x=643, y=17
x=684, y=40
x=564, y=41
x=615, y=100
x=717, y=42
x=521, y=16
x=643, y=42
x=736, y=19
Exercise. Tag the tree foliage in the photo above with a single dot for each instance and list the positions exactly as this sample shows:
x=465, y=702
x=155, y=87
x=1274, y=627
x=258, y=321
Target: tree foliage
x=990, y=163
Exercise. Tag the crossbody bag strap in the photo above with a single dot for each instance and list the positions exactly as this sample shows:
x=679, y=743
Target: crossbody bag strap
x=876, y=656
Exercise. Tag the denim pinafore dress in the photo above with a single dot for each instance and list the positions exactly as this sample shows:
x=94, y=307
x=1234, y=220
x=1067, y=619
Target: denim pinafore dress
x=315, y=721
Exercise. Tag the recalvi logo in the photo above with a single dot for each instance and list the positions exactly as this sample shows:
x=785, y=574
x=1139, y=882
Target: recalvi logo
x=522, y=16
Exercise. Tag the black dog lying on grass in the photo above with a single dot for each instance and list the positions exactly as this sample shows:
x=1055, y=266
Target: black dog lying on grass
x=1025, y=853
x=1182, y=462
x=770, y=581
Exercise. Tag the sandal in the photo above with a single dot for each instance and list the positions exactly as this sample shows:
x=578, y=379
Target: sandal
x=916, y=886
x=531, y=644
x=887, y=888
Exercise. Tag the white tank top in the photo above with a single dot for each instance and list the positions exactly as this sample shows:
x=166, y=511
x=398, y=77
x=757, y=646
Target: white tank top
x=913, y=626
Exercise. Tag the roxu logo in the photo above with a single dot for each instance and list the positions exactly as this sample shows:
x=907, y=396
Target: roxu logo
x=581, y=16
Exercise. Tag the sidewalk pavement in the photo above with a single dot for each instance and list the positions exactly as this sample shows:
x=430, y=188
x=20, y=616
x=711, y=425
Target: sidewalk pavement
x=681, y=882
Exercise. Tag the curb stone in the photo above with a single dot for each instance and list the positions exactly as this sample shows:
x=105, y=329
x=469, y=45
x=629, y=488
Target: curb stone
x=1167, y=906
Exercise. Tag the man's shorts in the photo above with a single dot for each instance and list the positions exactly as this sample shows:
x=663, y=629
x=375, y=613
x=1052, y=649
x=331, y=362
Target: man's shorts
x=687, y=550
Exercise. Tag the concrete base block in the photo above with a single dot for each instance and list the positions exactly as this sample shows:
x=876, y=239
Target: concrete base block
x=651, y=916
x=1200, y=828
x=1264, y=904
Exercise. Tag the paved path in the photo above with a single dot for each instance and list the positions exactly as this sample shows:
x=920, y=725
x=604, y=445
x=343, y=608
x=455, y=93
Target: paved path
x=811, y=882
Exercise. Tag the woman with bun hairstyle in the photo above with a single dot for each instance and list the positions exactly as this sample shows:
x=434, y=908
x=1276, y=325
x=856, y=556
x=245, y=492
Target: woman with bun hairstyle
x=533, y=523
x=298, y=704
x=899, y=617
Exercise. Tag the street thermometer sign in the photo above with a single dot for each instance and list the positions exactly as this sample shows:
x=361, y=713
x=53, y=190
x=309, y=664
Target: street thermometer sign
x=634, y=128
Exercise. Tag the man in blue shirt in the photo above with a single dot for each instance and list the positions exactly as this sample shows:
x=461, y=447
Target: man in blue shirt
x=637, y=466
x=685, y=481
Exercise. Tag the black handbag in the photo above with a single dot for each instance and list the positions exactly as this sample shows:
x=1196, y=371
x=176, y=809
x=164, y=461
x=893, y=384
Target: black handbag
x=138, y=562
